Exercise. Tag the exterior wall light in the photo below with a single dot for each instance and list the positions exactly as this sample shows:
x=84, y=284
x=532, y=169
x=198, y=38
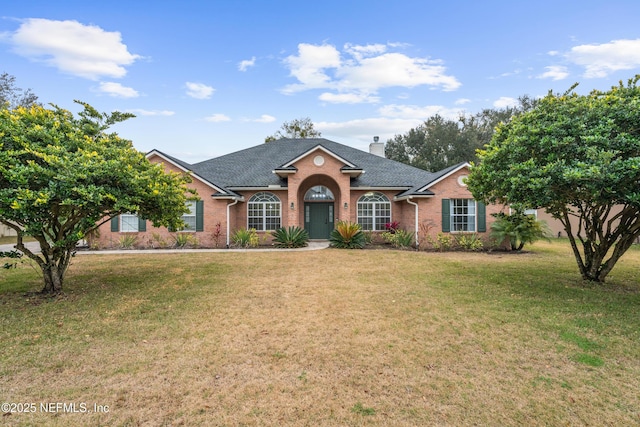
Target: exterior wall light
x=346, y=205
x=293, y=206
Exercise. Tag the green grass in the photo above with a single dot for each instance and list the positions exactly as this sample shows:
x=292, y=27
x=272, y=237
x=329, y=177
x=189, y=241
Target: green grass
x=295, y=338
x=11, y=240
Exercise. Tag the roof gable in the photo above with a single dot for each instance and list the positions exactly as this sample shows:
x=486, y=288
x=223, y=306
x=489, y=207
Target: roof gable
x=185, y=167
x=318, y=148
x=444, y=174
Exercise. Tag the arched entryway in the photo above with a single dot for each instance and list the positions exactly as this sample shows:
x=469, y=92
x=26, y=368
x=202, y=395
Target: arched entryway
x=319, y=212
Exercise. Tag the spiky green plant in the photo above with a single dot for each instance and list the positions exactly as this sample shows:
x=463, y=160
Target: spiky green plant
x=347, y=235
x=292, y=237
x=518, y=229
x=245, y=238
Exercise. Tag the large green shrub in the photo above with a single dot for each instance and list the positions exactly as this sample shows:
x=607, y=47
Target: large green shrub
x=347, y=235
x=292, y=237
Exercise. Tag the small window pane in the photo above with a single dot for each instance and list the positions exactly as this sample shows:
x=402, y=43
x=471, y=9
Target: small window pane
x=190, y=217
x=128, y=222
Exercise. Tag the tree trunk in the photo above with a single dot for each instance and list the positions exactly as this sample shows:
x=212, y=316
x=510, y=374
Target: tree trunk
x=53, y=278
x=53, y=261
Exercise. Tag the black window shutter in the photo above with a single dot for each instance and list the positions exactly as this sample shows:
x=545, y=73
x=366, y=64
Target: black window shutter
x=115, y=224
x=482, y=217
x=200, y=215
x=446, y=215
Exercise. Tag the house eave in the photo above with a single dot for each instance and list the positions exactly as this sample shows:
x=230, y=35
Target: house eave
x=413, y=196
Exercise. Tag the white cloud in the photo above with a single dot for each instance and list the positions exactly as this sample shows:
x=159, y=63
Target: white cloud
x=362, y=71
x=348, y=98
x=199, y=90
x=217, y=118
x=462, y=101
x=396, y=69
x=555, y=72
x=359, y=52
x=505, y=101
x=81, y=50
x=142, y=112
x=361, y=131
x=600, y=60
x=117, y=90
x=243, y=65
x=414, y=112
x=309, y=65
x=265, y=118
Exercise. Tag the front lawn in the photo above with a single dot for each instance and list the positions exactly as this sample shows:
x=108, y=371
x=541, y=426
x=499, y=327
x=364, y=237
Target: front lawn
x=324, y=338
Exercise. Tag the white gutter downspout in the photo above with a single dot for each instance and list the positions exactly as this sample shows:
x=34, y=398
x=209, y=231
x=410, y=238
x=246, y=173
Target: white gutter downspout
x=416, y=215
x=235, y=201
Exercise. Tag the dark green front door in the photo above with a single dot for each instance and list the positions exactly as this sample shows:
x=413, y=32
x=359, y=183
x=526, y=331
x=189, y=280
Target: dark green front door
x=318, y=219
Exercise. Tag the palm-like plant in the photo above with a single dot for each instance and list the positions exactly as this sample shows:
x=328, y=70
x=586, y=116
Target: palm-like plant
x=292, y=237
x=347, y=235
x=519, y=229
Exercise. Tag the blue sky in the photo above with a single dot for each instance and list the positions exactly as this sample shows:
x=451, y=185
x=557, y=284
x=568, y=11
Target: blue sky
x=206, y=78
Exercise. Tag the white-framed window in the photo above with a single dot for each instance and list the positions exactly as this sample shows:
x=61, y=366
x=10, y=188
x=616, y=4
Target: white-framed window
x=263, y=212
x=129, y=223
x=532, y=212
x=190, y=217
x=374, y=211
x=463, y=215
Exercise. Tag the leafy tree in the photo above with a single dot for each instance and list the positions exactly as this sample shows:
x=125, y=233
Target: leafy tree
x=518, y=229
x=12, y=96
x=432, y=146
x=439, y=143
x=298, y=128
x=63, y=176
x=577, y=156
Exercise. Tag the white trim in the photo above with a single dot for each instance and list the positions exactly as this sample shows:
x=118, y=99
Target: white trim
x=464, y=165
x=318, y=147
x=416, y=214
x=353, y=173
x=190, y=172
x=475, y=215
x=374, y=217
x=411, y=196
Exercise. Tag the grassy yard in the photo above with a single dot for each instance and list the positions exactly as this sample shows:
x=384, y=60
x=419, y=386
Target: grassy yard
x=325, y=338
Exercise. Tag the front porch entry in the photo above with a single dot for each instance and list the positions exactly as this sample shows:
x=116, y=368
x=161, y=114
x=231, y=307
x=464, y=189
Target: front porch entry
x=318, y=219
x=319, y=212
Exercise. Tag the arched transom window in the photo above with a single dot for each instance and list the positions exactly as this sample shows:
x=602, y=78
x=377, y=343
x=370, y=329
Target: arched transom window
x=264, y=212
x=374, y=211
x=318, y=193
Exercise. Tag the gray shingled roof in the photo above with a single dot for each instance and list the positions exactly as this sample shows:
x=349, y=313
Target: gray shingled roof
x=253, y=167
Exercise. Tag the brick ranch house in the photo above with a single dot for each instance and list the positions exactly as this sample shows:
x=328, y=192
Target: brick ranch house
x=311, y=183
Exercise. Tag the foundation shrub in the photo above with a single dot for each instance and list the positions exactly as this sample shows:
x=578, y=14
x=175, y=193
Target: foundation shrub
x=182, y=240
x=245, y=238
x=469, y=242
x=347, y=235
x=127, y=241
x=292, y=237
x=398, y=238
